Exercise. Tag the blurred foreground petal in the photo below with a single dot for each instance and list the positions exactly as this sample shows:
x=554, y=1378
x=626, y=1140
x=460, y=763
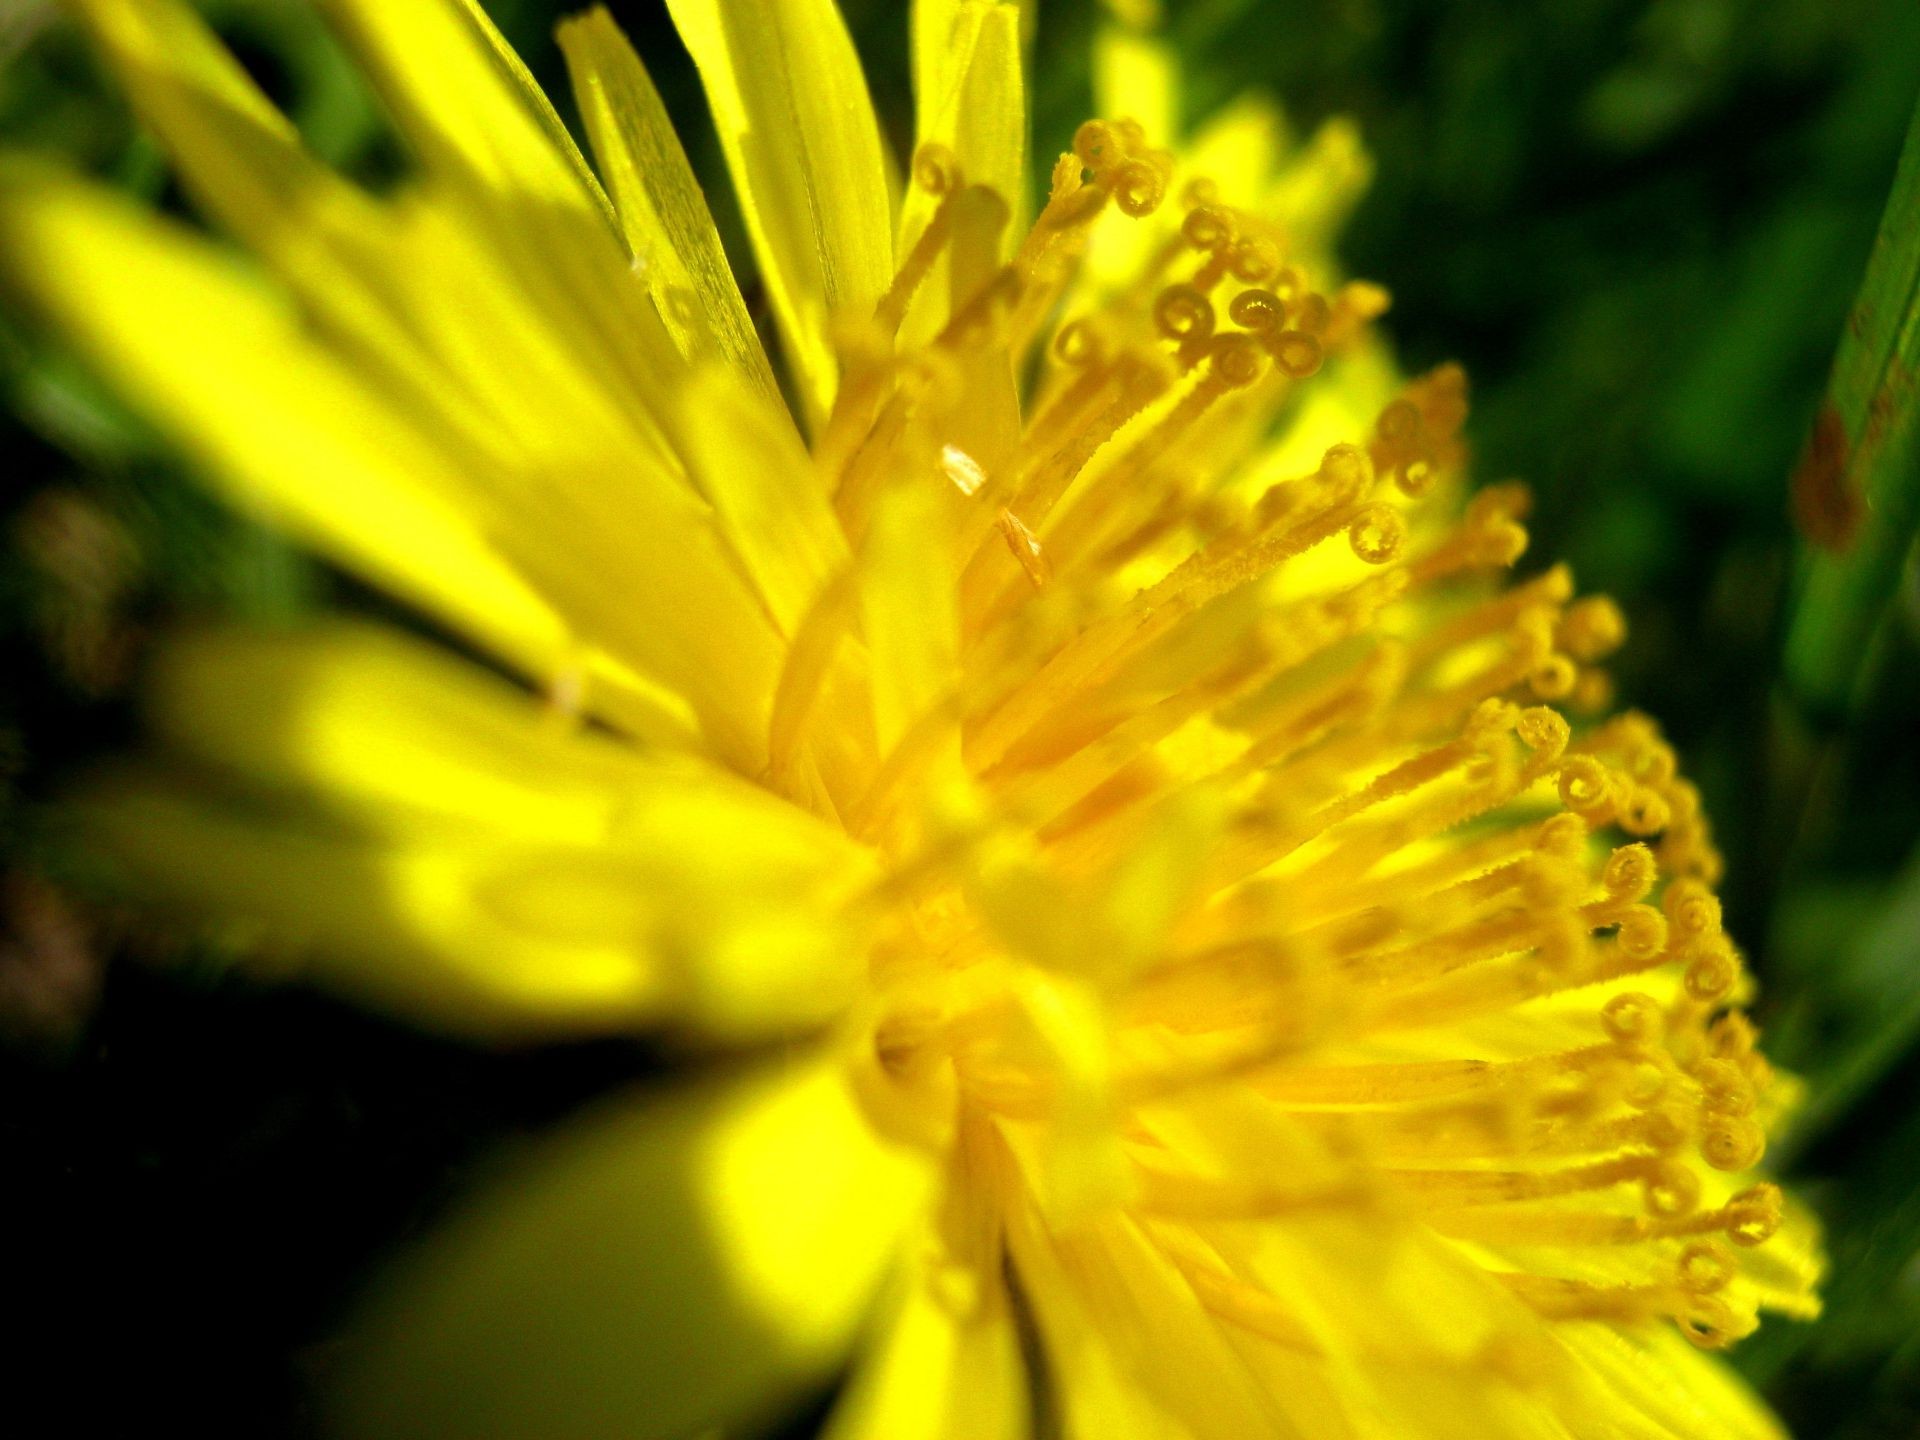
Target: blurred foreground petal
x=433, y=839
x=692, y=1261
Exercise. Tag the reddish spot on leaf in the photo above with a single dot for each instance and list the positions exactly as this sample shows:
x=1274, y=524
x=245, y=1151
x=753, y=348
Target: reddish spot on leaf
x=1827, y=503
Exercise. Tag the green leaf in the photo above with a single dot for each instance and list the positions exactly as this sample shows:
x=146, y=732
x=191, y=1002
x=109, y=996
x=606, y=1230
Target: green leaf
x=1857, y=489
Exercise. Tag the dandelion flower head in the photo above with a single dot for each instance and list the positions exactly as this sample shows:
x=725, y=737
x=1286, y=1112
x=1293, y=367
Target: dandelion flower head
x=1181, y=946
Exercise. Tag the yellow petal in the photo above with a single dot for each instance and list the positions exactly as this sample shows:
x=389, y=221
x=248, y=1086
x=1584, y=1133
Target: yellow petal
x=690, y=1261
x=497, y=157
x=336, y=248
x=486, y=935
x=1664, y=1388
x=515, y=350
x=465, y=102
x=1788, y=1270
x=970, y=91
x=668, y=227
x=314, y=446
x=1239, y=147
x=912, y=630
x=423, y=834
x=1347, y=1312
x=1135, y=1353
x=412, y=926
x=382, y=726
x=223, y=367
x=1321, y=183
x=239, y=156
x=583, y=493
x=748, y=461
x=803, y=146
x=1136, y=76
x=938, y=1375
x=908, y=606
x=946, y=1361
x=970, y=95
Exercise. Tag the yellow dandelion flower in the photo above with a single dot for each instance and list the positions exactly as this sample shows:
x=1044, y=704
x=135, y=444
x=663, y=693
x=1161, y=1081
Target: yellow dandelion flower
x=1195, y=957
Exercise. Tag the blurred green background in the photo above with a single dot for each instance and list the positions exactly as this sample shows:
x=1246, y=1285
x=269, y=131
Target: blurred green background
x=1640, y=223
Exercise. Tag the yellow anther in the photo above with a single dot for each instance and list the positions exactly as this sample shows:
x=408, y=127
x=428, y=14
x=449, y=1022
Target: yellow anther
x=1732, y=1144
x=1644, y=1082
x=1592, y=692
x=1592, y=628
x=1563, y=834
x=1704, y=1267
x=1181, y=312
x=1629, y=873
x=1499, y=503
x=1376, y=534
x=1414, y=478
x=1297, y=353
x=1255, y=260
x=1731, y=1037
x=1642, y=934
x=1754, y=1215
x=1725, y=1088
x=1259, y=311
x=1544, y=731
x=1081, y=343
x=1138, y=188
x=1584, y=783
x=1235, y=360
x=1497, y=540
x=1711, y=1323
x=1644, y=811
x=1693, y=909
x=936, y=169
x=1344, y=469
x=1097, y=146
x=1670, y=1190
x=1711, y=975
x=1632, y=1018
x=1208, y=227
x=1201, y=190
x=1552, y=678
x=1491, y=718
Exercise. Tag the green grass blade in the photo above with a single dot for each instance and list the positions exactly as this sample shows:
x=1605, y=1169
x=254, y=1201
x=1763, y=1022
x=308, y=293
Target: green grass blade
x=1857, y=489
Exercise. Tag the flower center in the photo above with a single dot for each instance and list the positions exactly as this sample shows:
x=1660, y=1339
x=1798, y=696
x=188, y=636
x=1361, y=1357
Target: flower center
x=1235, y=842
